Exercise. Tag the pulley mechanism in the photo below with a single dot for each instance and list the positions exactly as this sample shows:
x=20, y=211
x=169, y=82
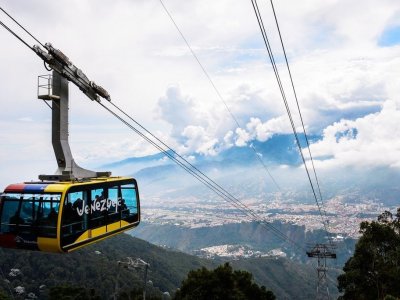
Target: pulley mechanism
x=60, y=63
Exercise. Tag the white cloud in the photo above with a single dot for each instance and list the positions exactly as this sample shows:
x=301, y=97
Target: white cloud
x=179, y=111
x=243, y=137
x=208, y=132
x=263, y=131
x=197, y=141
x=228, y=139
x=118, y=149
x=373, y=140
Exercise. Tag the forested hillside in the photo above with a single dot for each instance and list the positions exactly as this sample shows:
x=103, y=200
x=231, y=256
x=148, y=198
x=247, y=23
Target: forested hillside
x=251, y=234
x=95, y=268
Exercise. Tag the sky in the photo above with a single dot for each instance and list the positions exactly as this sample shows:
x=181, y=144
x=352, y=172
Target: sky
x=344, y=58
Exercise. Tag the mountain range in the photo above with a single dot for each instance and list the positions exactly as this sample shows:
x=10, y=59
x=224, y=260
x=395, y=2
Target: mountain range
x=278, y=150
x=240, y=166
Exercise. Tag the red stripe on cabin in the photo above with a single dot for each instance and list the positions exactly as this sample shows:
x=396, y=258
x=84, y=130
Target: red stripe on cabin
x=15, y=188
x=7, y=240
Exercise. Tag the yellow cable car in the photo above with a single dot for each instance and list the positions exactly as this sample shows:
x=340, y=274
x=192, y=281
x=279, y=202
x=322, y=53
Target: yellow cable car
x=73, y=207
x=64, y=216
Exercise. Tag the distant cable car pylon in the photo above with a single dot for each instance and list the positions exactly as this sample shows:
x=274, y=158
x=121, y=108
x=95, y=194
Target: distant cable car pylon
x=322, y=252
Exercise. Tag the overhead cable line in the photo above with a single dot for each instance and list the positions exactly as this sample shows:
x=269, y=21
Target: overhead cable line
x=195, y=172
x=273, y=63
x=298, y=106
x=19, y=38
x=22, y=40
x=21, y=26
x=16, y=35
x=188, y=167
x=198, y=174
x=218, y=93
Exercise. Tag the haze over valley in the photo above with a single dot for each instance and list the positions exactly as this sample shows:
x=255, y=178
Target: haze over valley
x=176, y=207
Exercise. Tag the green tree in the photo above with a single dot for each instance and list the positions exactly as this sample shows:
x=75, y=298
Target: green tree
x=3, y=295
x=137, y=294
x=221, y=283
x=373, y=272
x=72, y=293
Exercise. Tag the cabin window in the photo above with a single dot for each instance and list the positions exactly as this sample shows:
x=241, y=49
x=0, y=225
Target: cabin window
x=30, y=213
x=10, y=212
x=97, y=208
x=27, y=213
x=129, y=204
x=75, y=214
x=113, y=213
x=46, y=211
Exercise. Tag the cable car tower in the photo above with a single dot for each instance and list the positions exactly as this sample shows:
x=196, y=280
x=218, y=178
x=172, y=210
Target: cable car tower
x=54, y=88
x=322, y=252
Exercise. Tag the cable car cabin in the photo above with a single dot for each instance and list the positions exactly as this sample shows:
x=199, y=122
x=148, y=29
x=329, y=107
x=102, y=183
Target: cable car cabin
x=64, y=216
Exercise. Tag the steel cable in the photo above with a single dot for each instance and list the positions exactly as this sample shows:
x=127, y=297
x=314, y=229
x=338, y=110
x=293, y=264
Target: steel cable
x=298, y=106
x=217, y=92
x=21, y=26
x=195, y=172
x=273, y=63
